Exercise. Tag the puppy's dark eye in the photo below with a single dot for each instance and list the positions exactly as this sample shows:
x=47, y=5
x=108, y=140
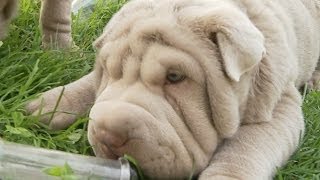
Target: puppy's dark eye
x=175, y=77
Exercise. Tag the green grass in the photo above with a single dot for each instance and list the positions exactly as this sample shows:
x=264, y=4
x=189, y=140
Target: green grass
x=26, y=70
x=305, y=163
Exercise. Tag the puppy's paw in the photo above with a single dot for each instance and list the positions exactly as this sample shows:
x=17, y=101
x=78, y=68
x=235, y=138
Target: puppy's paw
x=54, y=108
x=223, y=171
x=218, y=177
x=314, y=82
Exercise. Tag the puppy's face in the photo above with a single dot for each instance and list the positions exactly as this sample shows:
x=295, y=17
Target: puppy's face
x=164, y=94
x=7, y=11
x=154, y=107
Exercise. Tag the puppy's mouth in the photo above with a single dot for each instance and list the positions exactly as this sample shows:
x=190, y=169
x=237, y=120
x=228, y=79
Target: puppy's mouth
x=108, y=152
x=113, y=152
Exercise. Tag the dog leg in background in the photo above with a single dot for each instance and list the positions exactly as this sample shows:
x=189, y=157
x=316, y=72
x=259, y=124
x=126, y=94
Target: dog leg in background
x=70, y=102
x=256, y=150
x=8, y=10
x=314, y=7
x=314, y=82
x=55, y=22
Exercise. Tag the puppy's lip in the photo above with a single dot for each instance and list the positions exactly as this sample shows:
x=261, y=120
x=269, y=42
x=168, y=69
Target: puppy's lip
x=109, y=152
x=116, y=152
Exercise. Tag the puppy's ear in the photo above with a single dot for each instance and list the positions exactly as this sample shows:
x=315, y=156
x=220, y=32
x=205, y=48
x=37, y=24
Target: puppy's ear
x=240, y=43
x=241, y=48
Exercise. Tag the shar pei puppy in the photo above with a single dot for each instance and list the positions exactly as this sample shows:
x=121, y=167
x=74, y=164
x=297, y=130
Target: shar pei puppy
x=202, y=86
x=55, y=21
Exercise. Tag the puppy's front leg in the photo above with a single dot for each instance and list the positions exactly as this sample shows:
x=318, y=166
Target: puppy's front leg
x=257, y=149
x=59, y=107
x=55, y=22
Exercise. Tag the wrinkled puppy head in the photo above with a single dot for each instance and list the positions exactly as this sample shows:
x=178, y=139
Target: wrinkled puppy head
x=170, y=82
x=7, y=11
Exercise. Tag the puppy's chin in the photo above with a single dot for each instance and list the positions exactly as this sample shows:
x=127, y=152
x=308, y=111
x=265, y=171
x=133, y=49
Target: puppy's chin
x=155, y=161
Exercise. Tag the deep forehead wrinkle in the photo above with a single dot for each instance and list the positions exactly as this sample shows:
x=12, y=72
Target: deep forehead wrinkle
x=130, y=47
x=113, y=54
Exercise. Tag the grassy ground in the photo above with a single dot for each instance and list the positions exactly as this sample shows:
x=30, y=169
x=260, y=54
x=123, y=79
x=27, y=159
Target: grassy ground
x=26, y=70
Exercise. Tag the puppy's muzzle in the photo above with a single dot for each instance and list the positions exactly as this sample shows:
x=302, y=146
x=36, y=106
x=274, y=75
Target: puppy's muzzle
x=115, y=123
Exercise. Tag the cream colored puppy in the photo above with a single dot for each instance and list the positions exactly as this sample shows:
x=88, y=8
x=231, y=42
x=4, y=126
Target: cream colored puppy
x=209, y=84
x=55, y=21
